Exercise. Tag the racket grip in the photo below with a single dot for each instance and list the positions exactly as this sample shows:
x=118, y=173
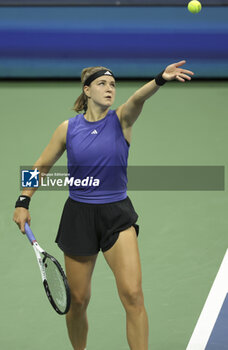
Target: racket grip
x=29, y=233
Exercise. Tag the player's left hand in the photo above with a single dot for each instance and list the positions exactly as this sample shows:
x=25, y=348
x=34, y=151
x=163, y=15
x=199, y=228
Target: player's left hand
x=173, y=72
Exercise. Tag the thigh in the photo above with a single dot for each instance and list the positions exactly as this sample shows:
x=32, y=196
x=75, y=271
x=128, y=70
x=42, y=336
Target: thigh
x=79, y=273
x=124, y=260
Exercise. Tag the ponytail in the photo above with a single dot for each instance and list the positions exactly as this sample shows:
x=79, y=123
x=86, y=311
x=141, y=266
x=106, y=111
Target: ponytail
x=81, y=103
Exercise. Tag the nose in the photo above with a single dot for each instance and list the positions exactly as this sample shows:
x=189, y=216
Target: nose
x=109, y=88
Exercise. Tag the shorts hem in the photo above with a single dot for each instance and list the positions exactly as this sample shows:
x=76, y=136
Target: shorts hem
x=111, y=244
x=136, y=227
x=70, y=253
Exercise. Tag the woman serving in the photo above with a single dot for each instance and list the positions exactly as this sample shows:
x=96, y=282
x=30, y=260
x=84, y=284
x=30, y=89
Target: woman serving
x=100, y=217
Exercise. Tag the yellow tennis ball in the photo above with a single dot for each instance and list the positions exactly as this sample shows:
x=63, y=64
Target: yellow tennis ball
x=194, y=6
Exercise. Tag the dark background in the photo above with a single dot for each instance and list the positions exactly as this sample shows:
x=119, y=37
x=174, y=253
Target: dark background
x=134, y=41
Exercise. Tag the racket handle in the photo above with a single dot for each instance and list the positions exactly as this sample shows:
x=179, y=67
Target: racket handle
x=29, y=233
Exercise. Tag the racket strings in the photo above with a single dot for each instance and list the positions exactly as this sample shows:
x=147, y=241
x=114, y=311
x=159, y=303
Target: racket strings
x=55, y=283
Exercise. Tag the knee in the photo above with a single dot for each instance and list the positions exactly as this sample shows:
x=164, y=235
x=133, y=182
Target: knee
x=133, y=298
x=79, y=301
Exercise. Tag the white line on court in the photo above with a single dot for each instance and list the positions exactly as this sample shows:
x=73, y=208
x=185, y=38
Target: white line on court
x=211, y=309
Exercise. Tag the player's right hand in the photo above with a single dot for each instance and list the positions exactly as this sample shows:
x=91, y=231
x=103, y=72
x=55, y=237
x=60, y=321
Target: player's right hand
x=20, y=217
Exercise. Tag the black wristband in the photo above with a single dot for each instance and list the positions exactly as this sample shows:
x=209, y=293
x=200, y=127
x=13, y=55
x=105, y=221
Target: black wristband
x=159, y=80
x=23, y=201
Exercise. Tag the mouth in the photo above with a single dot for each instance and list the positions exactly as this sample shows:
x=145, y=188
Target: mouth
x=108, y=97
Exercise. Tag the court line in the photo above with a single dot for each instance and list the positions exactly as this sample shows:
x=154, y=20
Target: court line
x=211, y=309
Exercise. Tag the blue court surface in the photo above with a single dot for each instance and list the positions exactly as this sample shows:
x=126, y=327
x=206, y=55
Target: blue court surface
x=211, y=331
x=219, y=336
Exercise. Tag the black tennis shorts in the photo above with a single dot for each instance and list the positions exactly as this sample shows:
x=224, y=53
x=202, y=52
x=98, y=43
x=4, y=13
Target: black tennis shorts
x=86, y=228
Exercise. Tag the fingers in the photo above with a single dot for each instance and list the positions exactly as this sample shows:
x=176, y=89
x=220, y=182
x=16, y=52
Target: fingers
x=180, y=63
x=21, y=216
x=183, y=72
x=173, y=72
x=23, y=227
x=180, y=79
x=187, y=71
x=184, y=76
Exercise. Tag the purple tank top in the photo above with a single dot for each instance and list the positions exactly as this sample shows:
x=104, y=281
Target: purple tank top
x=97, y=155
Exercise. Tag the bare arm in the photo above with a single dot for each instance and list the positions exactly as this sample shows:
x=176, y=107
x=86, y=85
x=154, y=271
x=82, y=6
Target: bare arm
x=131, y=109
x=51, y=153
x=49, y=156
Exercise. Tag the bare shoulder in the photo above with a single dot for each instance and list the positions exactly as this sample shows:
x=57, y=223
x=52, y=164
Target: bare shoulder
x=61, y=131
x=63, y=126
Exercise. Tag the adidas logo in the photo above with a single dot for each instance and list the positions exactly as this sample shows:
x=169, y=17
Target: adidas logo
x=107, y=73
x=94, y=132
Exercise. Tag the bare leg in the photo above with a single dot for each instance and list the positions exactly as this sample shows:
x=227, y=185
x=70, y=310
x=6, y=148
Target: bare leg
x=123, y=258
x=79, y=273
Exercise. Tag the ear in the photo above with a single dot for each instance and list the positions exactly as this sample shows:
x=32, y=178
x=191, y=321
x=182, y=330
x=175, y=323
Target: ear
x=86, y=90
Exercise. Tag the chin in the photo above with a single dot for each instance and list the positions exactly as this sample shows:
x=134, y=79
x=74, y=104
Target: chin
x=108, y=104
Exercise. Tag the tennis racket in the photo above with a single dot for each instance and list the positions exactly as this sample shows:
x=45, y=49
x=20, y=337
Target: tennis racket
x=53, y=277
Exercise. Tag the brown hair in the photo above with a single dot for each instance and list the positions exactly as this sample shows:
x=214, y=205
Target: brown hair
x=81, y=102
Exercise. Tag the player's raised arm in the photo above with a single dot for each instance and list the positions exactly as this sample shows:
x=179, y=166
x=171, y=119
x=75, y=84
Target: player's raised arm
x=129, y=111
x=49, y=156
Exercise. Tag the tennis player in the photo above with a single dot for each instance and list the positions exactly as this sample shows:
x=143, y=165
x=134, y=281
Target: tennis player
x=101, y=216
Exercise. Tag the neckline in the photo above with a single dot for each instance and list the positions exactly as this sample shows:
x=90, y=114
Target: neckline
x=97, y=121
